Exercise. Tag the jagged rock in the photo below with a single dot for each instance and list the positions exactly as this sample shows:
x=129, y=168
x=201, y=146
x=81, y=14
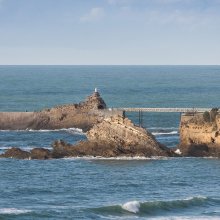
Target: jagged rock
x=126, y=137
x=115, y=136
x=61, y=149
x=40, y=154
x=93, y=102
x=16, y=153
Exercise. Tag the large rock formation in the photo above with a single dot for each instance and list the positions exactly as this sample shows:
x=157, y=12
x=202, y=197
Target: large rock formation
x=200, y=134
x=113, y=137
x=83, y=115
x=126, y=138
x=109, y=133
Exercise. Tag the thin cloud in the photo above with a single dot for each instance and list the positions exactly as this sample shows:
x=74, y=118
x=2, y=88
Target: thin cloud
x=95, y=14
x=119, y=2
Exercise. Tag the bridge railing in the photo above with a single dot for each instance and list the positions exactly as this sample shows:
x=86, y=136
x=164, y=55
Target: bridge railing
x=181, y=110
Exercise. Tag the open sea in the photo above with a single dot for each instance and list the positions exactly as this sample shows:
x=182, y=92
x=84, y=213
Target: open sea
x=118, y=188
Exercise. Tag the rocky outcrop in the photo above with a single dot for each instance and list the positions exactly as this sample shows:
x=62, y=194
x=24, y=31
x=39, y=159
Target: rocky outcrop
x=199, y=135
x=113, y=137
x=126, y=137
x=36, y=153
x=109, y=134
x=83, y=115
x=16, y=153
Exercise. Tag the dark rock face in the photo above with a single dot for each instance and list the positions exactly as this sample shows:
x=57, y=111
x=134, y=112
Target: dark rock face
x=40, y=154
x=16, y=153
x=197, y=150
x=201, y=150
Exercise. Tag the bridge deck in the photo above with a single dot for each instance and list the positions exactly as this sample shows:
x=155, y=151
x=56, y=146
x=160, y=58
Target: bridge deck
x=181, y=110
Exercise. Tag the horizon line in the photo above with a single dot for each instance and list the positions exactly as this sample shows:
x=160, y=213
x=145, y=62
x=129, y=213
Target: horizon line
x=109, y=64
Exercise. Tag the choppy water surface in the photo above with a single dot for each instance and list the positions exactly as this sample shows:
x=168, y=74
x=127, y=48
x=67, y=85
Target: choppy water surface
x=120, y=188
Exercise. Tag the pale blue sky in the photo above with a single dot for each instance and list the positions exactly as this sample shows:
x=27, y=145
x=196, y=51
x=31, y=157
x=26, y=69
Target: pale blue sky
x=110, y=32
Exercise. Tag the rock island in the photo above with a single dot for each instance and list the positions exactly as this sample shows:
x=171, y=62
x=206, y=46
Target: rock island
x=109, y=133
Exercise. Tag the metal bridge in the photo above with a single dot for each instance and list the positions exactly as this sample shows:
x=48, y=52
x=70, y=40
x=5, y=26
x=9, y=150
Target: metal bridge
x=181, y=110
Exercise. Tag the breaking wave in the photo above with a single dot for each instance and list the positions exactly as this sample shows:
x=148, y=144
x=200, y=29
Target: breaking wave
x=155, y=207
x=13, y=211
x=165, y=133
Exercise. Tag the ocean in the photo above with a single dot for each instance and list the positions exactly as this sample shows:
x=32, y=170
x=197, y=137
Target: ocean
x=117, y=188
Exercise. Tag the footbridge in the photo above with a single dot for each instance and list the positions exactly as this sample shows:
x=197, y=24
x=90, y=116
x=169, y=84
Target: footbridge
x=181, y=110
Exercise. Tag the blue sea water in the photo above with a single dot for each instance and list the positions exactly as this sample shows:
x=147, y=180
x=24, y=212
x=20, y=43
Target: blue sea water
x=122, y=188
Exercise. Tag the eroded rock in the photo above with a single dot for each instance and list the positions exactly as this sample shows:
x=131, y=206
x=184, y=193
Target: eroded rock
x=200, y=134
x=113, y=137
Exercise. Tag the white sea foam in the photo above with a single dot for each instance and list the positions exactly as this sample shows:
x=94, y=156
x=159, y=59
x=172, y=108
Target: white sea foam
x=162, y=128
x=132, y=206
x=70, y=130
x=24, y=148
x=74, y=130
x=196, y=197
x=13, y=211
x=165, y=133
x=178, y=151
x=116, y=158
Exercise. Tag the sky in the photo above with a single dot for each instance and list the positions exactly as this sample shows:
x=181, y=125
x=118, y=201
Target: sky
x=110, y=32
